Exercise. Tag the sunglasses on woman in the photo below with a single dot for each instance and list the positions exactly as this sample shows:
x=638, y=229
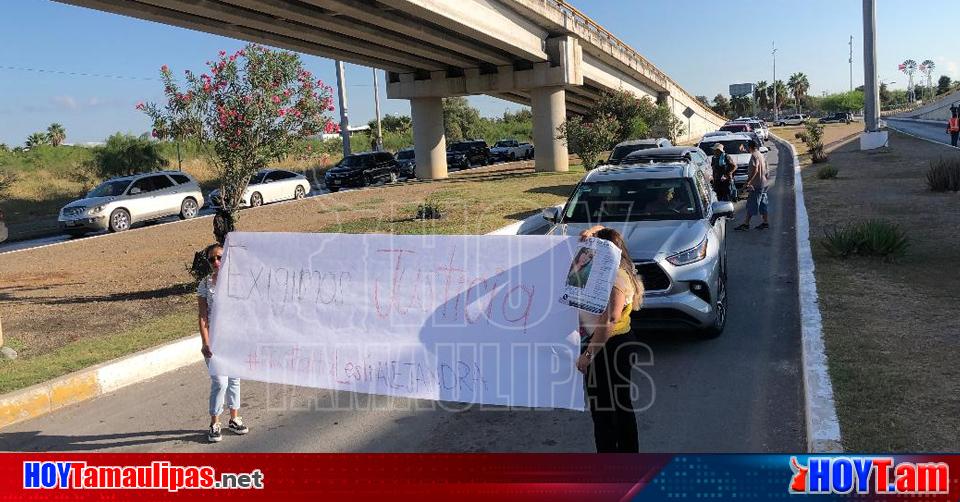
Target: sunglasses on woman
x=214, y=258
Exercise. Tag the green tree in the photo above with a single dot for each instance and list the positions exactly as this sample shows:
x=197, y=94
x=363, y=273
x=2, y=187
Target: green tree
x=762, y=95
x=523, y=115
x=589, y=140
x=943, y=85
x=663, y=123
x=460, y=120
x=705, y=101
x=798, y=85
x=255, y=106
x=632, y=114
x=393, y=124
x=779, y=94
x=721, y=105
x=125, y=154
x=741, y=105
x=56, y=133
x=37, y=139
x=7, y=179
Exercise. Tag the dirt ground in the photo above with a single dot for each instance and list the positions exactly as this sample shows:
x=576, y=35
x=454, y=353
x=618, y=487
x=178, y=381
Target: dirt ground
x=891, y=329
x=99, y=286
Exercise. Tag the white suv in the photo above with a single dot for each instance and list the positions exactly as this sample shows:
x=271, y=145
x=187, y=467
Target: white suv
x=118, y=203
x=795, y=119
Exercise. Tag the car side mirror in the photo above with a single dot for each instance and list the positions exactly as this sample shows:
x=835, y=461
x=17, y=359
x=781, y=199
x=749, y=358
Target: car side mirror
x=134, y=191
x=551, y=214
x=764, y=149
x=721, y=209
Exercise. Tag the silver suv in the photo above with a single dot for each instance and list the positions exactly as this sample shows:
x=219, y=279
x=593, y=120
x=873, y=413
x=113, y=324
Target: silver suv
x=675, y=230
x=118, y=203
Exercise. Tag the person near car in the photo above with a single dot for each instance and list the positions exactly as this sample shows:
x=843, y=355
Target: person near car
x=723, y=169
x=606, y=360
x=953, y=125
x=222, y=388
x=756, y=185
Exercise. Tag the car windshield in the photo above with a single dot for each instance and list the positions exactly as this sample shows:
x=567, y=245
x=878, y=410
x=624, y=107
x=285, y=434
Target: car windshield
x=503, y=144
x=632, y=200
x=110, y=189
x=733, y=147
x=405, y=154
x=735, y=127
x=459, y=147
x=624, y=150
x=352, y=161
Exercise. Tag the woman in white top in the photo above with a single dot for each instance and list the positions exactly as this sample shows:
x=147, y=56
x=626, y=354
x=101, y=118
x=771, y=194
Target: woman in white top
x=221, y=388
x=606, y=361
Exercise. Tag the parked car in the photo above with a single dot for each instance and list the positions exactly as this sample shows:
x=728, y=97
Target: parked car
x=362, y=169
x=736, y=146
x=837, y=118
x=675, y=231
x=760, y=129
x=511, y=149
x=736, y=127
x=119, y=203
x=468, y=153
x=716, y=133
x=406, y=158
x=627, y=147
x=269, y=185
x=795, y=119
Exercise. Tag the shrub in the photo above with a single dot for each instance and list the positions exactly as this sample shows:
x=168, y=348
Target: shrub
x=827, y=172
x=589, y=140
x=429, y=210
x=944, y=175
x=870, y=238
x=813, y=138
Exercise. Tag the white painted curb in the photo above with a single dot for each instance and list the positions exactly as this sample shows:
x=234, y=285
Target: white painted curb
x=823, y=428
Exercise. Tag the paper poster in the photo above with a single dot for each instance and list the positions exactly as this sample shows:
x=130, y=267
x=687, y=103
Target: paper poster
x=591, y=276
x=458, y=318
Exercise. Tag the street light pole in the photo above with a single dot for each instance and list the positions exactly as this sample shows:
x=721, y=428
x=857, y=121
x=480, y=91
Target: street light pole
x=344, y=118
x=376, y=101
x=872, y=137
x=776, y=109
x=851, y=62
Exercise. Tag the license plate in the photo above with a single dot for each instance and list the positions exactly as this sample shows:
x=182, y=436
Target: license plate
x=73, y=223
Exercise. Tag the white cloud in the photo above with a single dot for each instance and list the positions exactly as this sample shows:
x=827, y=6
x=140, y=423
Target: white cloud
x=67, y=102
x=949, y=67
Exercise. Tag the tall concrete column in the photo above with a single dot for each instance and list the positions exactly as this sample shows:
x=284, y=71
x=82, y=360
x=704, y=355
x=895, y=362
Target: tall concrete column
x=429, y=142
x=549, y=111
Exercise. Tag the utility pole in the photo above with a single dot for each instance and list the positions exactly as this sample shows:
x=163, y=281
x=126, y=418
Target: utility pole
x=344, y=119
x=776, y=109
x=376, y=101
x=851, y=62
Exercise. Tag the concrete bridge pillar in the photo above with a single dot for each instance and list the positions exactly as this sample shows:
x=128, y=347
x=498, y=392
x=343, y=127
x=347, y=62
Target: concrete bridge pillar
x=429, y=142
x=549, y=107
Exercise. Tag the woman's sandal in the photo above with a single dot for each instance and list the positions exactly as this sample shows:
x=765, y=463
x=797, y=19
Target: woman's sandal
x=741, y=227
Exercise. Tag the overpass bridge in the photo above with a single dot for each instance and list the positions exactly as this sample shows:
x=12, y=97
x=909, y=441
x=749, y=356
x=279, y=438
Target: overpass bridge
x=543, y=53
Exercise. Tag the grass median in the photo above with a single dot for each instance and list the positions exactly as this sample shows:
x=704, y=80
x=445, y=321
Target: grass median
x=890, y=326
x=87, y=301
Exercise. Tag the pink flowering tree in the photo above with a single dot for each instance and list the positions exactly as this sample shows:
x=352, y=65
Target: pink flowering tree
x=250, y=108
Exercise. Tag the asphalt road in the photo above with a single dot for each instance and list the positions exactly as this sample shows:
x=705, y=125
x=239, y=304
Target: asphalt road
x=739, y=392
x=928, y=130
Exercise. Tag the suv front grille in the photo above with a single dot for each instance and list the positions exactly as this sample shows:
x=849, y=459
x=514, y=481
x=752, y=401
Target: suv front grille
x=653, y=276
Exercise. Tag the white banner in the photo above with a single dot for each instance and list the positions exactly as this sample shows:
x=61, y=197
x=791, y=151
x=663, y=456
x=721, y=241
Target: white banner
x=460, y=318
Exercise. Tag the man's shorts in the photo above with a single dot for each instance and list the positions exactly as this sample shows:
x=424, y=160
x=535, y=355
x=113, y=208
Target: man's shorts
x=757, y=202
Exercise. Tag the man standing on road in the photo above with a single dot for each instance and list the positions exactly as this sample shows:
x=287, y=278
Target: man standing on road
x=757, y=188
x=953, y=125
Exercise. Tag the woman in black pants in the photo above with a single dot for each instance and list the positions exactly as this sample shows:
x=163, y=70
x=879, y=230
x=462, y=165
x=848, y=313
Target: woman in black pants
x=607, y=361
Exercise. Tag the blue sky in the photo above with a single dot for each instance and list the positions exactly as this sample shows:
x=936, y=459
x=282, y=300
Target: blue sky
x=704, y=45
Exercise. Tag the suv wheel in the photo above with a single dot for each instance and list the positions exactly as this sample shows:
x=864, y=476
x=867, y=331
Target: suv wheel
x=720, y=321
x=189, y=209
x=256, y=200
x=299, y=193
x=119, y=220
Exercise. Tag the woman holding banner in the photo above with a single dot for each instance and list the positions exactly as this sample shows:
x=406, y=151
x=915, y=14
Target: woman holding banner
x=221, y=388
x=606, y=359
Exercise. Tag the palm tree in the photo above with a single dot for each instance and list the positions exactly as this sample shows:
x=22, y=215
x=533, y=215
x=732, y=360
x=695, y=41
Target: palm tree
x=761, y=95
x=57, y=134
x=36, y=139
x=721, y=105
x=798, y=85
x=741, y=105
x=779, y=92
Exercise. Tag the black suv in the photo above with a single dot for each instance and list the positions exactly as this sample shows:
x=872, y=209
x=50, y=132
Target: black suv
x=468, y=153
x=362, y=169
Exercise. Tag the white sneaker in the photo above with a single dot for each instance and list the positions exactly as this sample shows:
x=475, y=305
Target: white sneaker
x=214, y=436
x=236, y=425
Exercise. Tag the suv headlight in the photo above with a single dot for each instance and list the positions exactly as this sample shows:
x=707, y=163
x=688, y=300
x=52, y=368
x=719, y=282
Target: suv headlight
x=692, y=255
